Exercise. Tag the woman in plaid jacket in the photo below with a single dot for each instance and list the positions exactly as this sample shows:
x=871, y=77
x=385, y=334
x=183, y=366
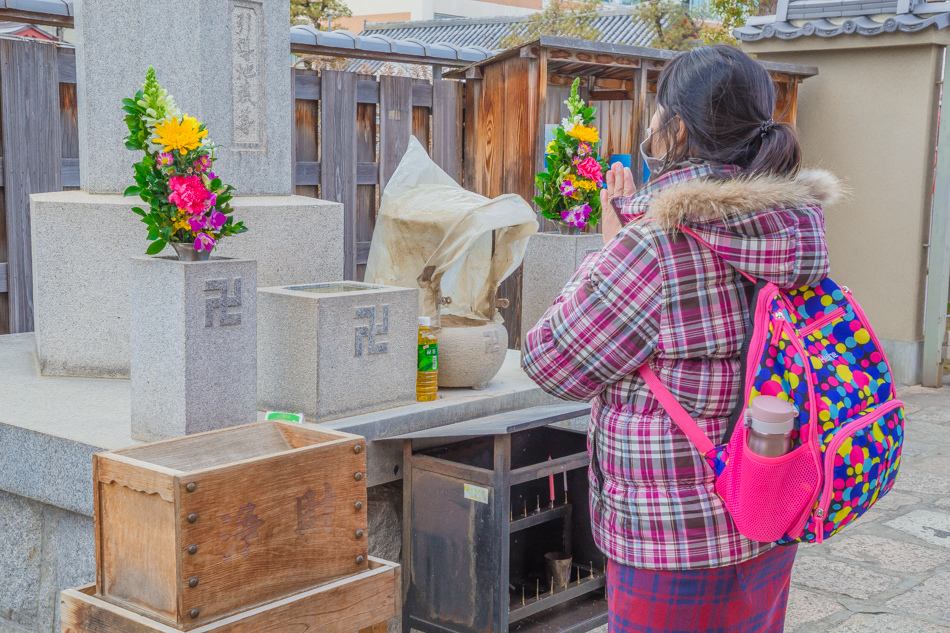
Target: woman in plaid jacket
x=654, y=294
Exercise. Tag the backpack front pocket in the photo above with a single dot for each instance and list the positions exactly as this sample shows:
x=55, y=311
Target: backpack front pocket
x=861, y=462
x=768, y=497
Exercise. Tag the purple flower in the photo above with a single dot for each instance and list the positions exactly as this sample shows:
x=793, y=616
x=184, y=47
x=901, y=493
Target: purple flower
x=198, y=222
x=203, y=163
x=204, y=242
x=576, y=216
x=217, y=220
x=567, y=188
x=211, y=201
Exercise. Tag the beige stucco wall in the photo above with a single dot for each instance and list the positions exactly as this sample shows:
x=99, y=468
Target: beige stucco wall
x=870, y=117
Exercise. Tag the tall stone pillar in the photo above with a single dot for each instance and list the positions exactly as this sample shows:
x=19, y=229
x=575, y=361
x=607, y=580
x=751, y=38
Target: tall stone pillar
x=226, y=62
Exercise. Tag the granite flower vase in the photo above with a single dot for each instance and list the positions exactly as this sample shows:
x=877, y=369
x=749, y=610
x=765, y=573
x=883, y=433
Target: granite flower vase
x=193, y=340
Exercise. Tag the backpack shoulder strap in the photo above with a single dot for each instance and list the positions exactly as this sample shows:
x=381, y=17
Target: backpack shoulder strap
x=675, y=410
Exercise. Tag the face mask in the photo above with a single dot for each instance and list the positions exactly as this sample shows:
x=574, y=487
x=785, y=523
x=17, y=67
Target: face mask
x=653, y=164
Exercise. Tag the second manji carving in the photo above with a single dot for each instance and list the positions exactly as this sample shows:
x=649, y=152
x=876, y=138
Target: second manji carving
x=371, y=331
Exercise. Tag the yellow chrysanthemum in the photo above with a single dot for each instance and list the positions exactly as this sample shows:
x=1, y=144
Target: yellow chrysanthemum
x=551, y=147
x=584, y=134
x=182, y=135
x=584, y=183
x=181, y=222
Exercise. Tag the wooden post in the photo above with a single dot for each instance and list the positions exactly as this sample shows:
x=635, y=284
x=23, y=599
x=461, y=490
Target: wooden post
x=338, y=179
x=471, y=96
x=366, y=198
x=33, y=160
x=447, y=127
x=306, y=130
x=395, y=124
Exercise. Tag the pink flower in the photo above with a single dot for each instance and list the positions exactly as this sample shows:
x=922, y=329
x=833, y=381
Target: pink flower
x=576, y=216
x=198, y=222
x=211, y=201
x=188, y=193
x=204, y=242
x=217, y=220
x=590, y=168
x=203, y=163
x=568, y=189
x=584, y=149
x=165, y=159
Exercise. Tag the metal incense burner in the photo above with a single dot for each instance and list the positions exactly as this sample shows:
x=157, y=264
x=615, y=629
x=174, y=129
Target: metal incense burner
x=484, y=502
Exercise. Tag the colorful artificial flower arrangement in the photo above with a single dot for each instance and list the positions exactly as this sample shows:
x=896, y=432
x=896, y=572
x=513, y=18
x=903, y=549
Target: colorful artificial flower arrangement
x=570, y=188
x=188, y=204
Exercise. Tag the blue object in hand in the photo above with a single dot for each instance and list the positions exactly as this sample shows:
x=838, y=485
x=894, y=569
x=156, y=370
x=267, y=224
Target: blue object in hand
x=623, y=159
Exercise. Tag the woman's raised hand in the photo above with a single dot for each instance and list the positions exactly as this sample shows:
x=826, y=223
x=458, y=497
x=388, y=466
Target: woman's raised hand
x=619, y=183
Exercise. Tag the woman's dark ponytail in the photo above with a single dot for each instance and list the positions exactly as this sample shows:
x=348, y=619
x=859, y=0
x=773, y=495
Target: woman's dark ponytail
x=726, y=100
x=779, y=151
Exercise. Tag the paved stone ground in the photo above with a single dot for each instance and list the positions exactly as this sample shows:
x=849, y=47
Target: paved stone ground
x=889, y=572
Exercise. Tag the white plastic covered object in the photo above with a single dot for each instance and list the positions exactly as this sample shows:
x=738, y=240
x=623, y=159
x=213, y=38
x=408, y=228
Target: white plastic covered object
x=432, y=233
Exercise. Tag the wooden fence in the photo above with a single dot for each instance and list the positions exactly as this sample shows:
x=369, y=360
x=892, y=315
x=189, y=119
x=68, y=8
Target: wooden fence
x=351, y=131
x=370, y=122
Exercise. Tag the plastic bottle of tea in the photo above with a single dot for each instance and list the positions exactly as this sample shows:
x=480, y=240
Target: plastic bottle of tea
x=427, y=378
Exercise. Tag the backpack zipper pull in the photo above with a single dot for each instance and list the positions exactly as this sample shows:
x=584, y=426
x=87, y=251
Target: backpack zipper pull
x=777, y=319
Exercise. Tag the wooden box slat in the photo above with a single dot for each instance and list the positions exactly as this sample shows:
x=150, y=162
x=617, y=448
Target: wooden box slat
x=275, y=508
x=354, y=603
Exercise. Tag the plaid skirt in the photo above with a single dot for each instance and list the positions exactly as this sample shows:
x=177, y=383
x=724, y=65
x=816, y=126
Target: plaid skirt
x=748, y=597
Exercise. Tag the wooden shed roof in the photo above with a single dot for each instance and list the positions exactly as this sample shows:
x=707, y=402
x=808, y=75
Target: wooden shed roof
x=569, y=56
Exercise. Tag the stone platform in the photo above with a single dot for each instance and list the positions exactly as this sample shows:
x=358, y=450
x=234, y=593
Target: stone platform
x=51, y=426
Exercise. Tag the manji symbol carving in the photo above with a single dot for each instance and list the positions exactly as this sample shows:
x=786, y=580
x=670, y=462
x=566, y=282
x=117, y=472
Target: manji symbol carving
x=222, y=304
x=493, y=344
x=371, y=331
x=243, y=526
x=315, y=516
x=247, y=67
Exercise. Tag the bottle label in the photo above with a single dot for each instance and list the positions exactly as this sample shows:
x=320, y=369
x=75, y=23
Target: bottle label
x=429, y=357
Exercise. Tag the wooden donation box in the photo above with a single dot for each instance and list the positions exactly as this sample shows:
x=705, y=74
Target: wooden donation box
x=492, y=507
x=233, y=530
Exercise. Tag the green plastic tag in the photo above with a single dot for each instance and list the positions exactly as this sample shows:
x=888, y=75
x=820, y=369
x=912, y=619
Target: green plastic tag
x=429, y=357
x=284, y=417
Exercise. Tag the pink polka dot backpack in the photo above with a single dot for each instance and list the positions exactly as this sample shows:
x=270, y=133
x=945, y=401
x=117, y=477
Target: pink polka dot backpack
x=813, y=347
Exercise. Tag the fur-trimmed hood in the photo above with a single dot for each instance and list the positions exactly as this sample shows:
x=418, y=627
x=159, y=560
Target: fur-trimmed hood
x=706, y=200
x=767, y=226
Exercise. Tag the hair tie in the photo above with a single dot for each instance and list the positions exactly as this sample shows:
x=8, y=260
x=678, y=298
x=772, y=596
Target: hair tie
x=765, y=127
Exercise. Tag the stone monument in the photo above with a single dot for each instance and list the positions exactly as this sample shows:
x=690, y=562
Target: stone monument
x=227, y=63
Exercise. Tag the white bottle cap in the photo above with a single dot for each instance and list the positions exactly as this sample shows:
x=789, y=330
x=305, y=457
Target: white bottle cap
x=425, y=321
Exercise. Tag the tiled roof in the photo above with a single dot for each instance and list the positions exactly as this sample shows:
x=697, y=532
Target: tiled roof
x=615, y=25
x=829, y=18
x=382, y=44
x=52, y=7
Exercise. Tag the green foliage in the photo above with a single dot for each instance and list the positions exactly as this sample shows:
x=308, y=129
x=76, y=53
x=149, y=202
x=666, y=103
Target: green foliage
x=672, y=26
x=729, y=15
x=574, y=141
x=313, y=12
x=560, y=17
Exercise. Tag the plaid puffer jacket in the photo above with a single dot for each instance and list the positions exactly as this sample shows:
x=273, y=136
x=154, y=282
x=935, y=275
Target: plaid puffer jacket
x=654, y=294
